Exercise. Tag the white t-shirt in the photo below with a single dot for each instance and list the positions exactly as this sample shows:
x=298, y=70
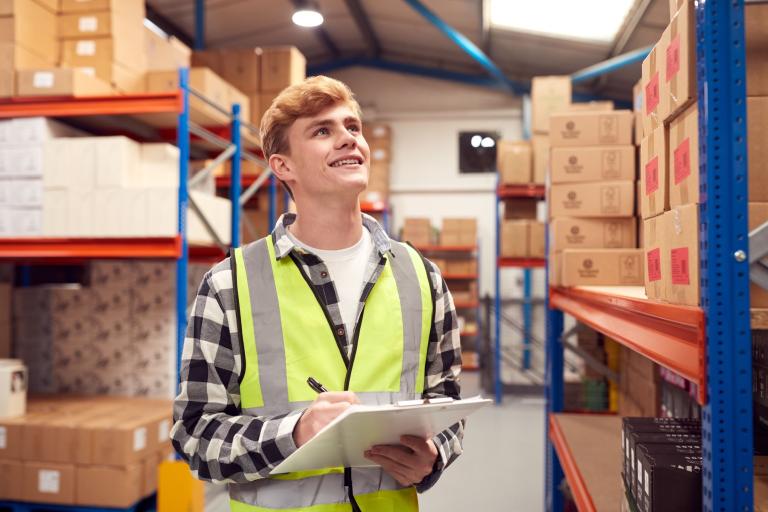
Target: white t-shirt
x=346, y=268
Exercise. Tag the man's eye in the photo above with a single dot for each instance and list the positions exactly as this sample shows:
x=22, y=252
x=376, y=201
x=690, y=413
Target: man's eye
x=322, y=131
x=354, y=128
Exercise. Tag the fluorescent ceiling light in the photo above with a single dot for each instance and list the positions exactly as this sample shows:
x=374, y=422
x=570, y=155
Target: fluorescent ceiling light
x=307, y=14
x=589, y=20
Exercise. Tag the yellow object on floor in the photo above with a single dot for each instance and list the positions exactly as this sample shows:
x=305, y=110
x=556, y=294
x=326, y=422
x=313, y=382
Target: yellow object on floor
x=178, y=490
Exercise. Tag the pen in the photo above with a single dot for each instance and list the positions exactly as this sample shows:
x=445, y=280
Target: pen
x=316, y=385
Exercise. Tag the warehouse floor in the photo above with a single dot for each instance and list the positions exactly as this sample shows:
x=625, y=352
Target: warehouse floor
x=492, y=456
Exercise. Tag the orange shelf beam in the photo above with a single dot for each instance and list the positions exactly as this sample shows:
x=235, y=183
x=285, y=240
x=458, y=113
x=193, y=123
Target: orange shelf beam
x=459, y=277
x=373, y=206
x=246, y=180
x=671, y=335
x=473, y=332
x=523, y=190
x=570, y=468
x=447, y=248
x=88, y=248
x=522, y=262
x=152, y=103
x=472, y=304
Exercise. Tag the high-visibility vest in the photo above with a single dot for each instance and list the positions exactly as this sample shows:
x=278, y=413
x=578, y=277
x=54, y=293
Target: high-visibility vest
x=287, y=336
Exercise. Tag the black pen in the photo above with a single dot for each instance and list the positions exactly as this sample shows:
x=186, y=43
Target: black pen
x=316, y=386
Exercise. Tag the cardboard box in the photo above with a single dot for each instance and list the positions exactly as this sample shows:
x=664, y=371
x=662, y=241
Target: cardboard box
x=59, y=82
x=656, y=263
x=756, y=40
x=7, y=83
x=514, y=238
x=514, y=161
x=572, y=233
x=241, y=67
x=757, y=149
x=682, y=230
x=87, y=6
x=523, y=208
x=280, y=67
x=537, y=240
x=9, y=7
x=459, y=266
x=125, y=22
x=683, y=158
x=202, y=80
x=378, y=135
x=612, y=128
x=464, y=290
x=549, y=94
x=554, y=268
x=106, y=486
x=540, y=145
x=655, y=97
x=458, y=231
x=12, y=483
x=654, y=175
x=593, y=163
x=32, y=27
x=600, y=267
x=606, y=199
x=679, y=62
x=674, y=6
x=163, y=54
x=106, y=56
x=637, y=108
x=49, y=483
x=14, y=57
x=757, y=216
x=417, y=231
x=590, y=106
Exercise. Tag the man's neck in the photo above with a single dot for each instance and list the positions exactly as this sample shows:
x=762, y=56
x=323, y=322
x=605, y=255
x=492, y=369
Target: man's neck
x=328, y=226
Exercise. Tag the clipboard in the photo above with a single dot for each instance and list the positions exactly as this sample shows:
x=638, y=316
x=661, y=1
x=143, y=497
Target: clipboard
x=343, y=441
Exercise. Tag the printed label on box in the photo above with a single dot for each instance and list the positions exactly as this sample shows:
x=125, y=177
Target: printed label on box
x=610, y=200
x=164, y=431
x=652, y=93
x=42, y=80
x=49, y=481
x=611, y=164
x=673, y=58
x=139, y=439
x=85, y=48
x=3, y=437
x=652, y=176
x=88, y=70
x=609, y=129
x=680, y=266
x=88, y=24
x=654, y=264
x=682, y=161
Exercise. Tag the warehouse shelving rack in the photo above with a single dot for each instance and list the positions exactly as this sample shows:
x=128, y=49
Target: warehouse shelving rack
x=709, y=345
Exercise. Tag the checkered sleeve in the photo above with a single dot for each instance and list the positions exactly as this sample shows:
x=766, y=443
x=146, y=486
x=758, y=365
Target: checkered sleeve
x=442, y=374
x=219, y=443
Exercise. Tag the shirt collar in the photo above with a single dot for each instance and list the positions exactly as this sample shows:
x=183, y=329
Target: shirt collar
x=284, y=245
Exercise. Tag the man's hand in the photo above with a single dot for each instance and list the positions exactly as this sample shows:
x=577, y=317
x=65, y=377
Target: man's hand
x=322, y=411
x=409, y=462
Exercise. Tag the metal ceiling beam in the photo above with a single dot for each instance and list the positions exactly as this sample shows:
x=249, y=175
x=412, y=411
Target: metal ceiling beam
x=363, y=23
x=485, y=26
x=168, y=26
x=323, y=36
x=630, y=27
x=465, y=44
x=610, y=65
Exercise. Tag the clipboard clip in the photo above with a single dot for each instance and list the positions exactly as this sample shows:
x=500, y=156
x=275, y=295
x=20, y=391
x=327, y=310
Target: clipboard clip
x=424, y=401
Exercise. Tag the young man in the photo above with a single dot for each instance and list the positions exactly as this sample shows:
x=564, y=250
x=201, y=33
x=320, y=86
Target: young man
x=327, y=295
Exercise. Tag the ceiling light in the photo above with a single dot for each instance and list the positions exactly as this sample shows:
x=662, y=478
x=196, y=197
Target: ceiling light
x=487, y=142
x=476, y=140
x=589, y=20
x=307, y=14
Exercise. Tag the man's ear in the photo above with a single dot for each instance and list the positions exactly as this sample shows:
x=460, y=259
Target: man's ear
x=281, y=166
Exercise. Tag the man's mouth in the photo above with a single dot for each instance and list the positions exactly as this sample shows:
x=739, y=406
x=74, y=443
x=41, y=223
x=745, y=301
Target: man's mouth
x=347, y=161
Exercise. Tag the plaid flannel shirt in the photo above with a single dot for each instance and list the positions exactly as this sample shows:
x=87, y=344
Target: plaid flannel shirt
x=225, y=446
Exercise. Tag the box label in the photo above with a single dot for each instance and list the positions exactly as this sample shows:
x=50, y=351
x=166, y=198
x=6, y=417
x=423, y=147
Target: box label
x=86, y=48
x=3, y=438
x=163, y=431
x=88, y=70
x=42, y=80
x=588, y=270
x=608, y=127
x=630, y=269
x=610, y=200
x=652, y=95
x=680, y=266
x=88, y=24
x=611, y=164
x=613, y=235
x=673, y=58
x=654, y=264
x=682, y=161
x=652, y=176
x=49, y=481
x=139, y=439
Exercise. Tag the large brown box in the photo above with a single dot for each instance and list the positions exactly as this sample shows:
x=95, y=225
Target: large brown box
x=280, y=67
x=654, y=175
x=537, y=240
x=549, y=94
x=9, y=7
x=573, y=233
x=418, y=231
x=14, y=57
x=678, y=45
x=540, y=145
x=103, y=53
x=523, y=208
x=514, y=238
x=637, y=108
x=240, y=67
x=12, y=481
x=601, y=267
x=49, y=483
x=683, y=158
x=606, y=199
x=458, y=231
x=110, y=486
x=609, y=128
x=59, y=82
x=462, y=266
x=163, y=53
x=682, y=229
x=514, y=161
x=33, y=27
x=656, y=263
x=591, y=106
x=464, y=290
x=756, y=40
x=757, y=149
x=655, y=98
x=378, y=135
x=202, y=80
x=87, y=6
x=123, y=20
x=592, y=163
x=554, y=263
x=7, y=83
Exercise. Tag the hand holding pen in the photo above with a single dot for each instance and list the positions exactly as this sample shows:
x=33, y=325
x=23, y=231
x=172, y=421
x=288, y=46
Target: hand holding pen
x=326, y=407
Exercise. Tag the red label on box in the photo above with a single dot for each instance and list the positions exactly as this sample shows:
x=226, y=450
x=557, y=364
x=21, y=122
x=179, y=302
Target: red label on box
x=673, y=58
x=682, y=161
x=654, y=264
x=652, y=176
x=652, y=93
x=680, y=266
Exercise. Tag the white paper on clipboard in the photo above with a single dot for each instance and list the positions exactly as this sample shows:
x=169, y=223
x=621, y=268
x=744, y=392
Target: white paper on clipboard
x=343, y=441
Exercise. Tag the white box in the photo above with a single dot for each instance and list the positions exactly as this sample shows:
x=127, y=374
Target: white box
x=55, y=212
x=19, y=161
x=218, y=212
x=15, y=192
x=21, y=222
x=117, y=162
x=135, y=213
x=159, y=165
x=162, y=212
x=13, y=388
x=80, y=213
x=34, y=130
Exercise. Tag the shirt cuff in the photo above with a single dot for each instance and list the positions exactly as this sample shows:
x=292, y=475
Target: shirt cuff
x=284, y=437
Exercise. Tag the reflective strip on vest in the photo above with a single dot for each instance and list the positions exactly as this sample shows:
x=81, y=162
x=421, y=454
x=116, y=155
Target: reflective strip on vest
x=277, y=310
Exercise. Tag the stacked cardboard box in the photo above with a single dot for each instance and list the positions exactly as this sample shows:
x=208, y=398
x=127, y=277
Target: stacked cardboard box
x=591, y=199
x=523, y=238
x=514, y=161
x=27, y=39
x=459, y=232
x=418, y=231
x=379, y=138
x=639, y=385
x=91, y=451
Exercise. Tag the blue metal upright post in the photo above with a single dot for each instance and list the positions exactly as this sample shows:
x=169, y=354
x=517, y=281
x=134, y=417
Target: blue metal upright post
x=727, y=444
x=199, y=24
x=527, y=318
x=554, y=387
x=272, y=202
x=235, y=185
x=497, y=389
x=182, y=134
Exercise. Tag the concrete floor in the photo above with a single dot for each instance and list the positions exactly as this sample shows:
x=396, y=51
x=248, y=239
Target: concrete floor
x=501, y=470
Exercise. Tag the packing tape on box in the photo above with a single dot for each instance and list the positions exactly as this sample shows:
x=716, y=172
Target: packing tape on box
x=676, y=223
x=652, y=193
x=673, y=61
x=652, y=106
x=683, y=182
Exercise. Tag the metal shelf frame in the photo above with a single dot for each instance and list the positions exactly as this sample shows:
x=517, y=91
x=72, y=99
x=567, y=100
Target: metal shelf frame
x=724, y=352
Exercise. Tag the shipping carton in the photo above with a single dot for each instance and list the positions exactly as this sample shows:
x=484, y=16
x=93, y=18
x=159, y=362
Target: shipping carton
x=458, y=231
x=163, y=54
x=33, y=27
x=549, y=94
x=59, y=82
x=49, y=483
x=679, y=62
x=7, y=83
x=656, y=263
x=107, y=56
x=590, y=106
x=637, y=108
x=683, y=158
x=523, y=208
x=756, y=41
x=757, y=149
x=241, y=67
x=514, y=238
x=125, y=22
x=600, y=267
x=378, y=135
x=614, y=128
x=654, y=175
x=537, y=240
x=280, y=67
x=540, y=145
x=606, y=199
x=514, y=161
x=202, y=80
x=107, y=486
x=554, y=268
x=655, y=97
x=682, y=285
x=592, y=163
x=573, y=233
x=12, y=483
x=417, y=231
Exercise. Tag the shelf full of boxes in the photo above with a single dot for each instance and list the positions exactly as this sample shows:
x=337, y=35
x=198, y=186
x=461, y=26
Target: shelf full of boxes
x=660, y=301
x=454, y=250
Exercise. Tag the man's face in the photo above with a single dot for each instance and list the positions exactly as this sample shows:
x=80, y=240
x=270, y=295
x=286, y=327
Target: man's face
x=328, y=154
